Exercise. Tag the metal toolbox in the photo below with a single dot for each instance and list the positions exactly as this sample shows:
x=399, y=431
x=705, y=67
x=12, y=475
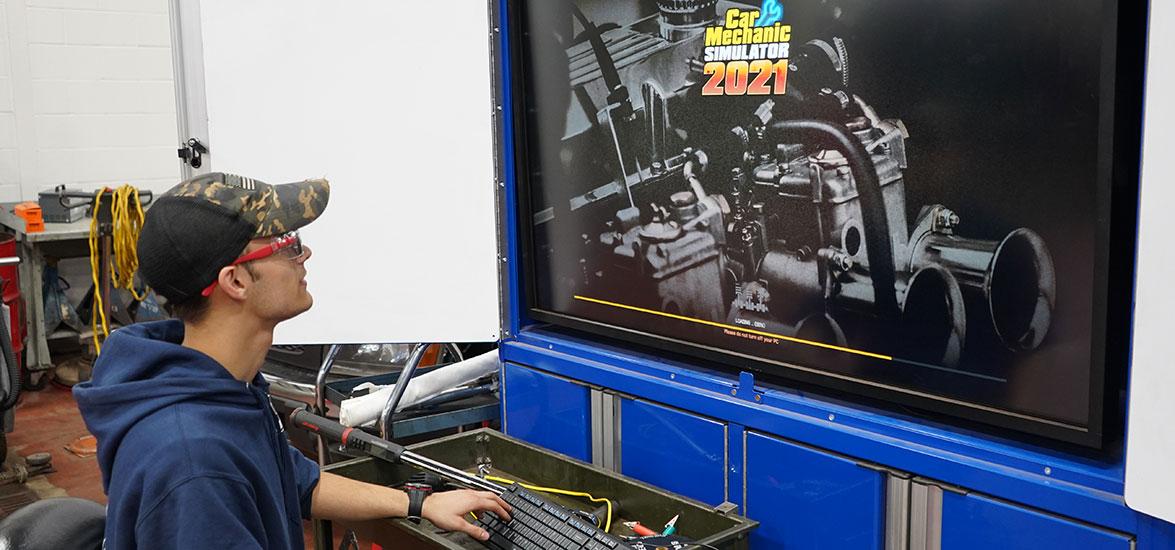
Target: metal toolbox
x=58, y=209
x=510, y=458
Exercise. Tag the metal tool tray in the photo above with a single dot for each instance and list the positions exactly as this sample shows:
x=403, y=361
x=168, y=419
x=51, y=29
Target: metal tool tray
x=514, y=459
x=473, y=408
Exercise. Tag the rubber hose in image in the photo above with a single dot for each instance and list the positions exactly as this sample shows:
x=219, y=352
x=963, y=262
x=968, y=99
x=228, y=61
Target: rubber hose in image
x=607, y=66
x=877, y=243
x=11, y=368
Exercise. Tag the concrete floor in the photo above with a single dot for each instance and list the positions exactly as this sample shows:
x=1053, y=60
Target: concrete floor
x=48, y=421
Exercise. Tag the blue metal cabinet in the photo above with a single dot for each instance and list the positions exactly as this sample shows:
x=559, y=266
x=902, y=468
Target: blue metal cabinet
x=681, y=452
x=806, y=498
x=974, y=521
x=780, y=444
x=546, y=410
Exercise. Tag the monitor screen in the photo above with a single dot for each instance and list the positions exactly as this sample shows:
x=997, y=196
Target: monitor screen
x=925, y=202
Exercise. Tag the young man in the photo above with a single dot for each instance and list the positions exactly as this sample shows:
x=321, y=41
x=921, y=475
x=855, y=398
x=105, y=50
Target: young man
x=192, y=453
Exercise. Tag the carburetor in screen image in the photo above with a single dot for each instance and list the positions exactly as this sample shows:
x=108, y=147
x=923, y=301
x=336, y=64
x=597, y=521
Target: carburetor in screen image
x=715, y=162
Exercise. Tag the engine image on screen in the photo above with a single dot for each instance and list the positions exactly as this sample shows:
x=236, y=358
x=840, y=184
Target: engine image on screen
x=902, y=192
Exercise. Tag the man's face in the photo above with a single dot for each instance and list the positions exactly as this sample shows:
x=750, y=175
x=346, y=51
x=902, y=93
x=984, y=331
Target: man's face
x=278, y=288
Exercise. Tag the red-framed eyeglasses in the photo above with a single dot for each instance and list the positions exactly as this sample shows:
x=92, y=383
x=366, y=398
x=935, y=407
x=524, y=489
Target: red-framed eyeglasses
x=289, y=245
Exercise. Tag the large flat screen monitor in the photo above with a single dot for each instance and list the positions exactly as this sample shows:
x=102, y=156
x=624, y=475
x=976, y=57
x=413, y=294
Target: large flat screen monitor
x=924, y=202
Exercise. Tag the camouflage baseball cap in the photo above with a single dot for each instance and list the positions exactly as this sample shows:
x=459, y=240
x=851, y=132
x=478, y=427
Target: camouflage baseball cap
x=201, y=225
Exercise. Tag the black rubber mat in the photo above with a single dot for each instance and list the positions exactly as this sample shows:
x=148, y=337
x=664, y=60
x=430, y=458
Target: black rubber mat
x=15, y=496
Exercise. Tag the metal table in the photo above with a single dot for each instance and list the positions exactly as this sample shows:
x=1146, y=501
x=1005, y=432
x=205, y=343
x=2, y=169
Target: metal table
x=58, y=240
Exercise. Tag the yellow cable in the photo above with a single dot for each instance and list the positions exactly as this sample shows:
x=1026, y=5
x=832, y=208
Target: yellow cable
x=96, y=308
x=127, y=222
x=607, y=524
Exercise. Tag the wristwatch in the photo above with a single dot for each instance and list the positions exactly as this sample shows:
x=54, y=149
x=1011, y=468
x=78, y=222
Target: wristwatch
x=416, y=493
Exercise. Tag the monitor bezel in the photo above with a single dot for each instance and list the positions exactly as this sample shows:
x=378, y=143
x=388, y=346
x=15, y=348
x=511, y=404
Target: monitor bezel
x=1120, y=110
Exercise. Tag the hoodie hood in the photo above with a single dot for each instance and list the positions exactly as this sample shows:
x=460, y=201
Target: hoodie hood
x=142, y=369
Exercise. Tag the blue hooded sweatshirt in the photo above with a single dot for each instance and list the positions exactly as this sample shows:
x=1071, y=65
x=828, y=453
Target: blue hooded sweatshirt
x=190, y=456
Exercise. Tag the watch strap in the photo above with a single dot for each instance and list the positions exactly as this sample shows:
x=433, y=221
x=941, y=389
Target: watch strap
x=416, y=494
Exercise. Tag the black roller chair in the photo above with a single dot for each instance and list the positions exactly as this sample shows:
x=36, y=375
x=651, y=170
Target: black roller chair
x=55, y=524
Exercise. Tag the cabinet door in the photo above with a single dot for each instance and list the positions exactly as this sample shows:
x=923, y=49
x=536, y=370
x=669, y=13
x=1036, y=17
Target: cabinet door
x=546, y=410
x=675, y=450
x=806, y=498
x=974, y=521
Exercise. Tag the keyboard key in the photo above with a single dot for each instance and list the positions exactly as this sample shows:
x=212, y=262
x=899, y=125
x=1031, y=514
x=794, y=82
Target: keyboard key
x=579, y=537
x=538, y=524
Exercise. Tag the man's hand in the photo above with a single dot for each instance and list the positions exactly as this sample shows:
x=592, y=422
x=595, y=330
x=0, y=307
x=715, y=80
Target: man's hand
x=450, y=510
x=338, y=498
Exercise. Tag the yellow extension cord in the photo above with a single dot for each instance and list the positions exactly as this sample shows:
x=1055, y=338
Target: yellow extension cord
x=607, y=523
x=124, y=261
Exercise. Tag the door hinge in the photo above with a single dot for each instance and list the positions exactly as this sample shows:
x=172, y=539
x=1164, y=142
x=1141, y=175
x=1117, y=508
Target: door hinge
x=192, y=153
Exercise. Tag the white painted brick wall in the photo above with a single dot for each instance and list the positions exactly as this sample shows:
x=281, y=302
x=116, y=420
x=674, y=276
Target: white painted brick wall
x=9, y=154
x=91, y=101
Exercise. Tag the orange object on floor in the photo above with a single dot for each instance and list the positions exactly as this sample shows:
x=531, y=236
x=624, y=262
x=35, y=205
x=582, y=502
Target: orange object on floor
x=30, y=212
x=48, y=421
x=84, y=446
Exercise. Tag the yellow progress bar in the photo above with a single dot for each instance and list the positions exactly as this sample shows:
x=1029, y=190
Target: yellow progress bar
x=737, y=328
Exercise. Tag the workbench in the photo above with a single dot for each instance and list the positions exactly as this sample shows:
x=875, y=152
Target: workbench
x=58, y=240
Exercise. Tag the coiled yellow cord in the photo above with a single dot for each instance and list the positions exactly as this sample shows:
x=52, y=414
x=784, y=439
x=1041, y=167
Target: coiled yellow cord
x=96, y=308
x=127, y=216
x=128, y=222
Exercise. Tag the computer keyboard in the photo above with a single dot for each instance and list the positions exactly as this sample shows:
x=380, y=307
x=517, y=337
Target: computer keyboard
x=538, y=524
